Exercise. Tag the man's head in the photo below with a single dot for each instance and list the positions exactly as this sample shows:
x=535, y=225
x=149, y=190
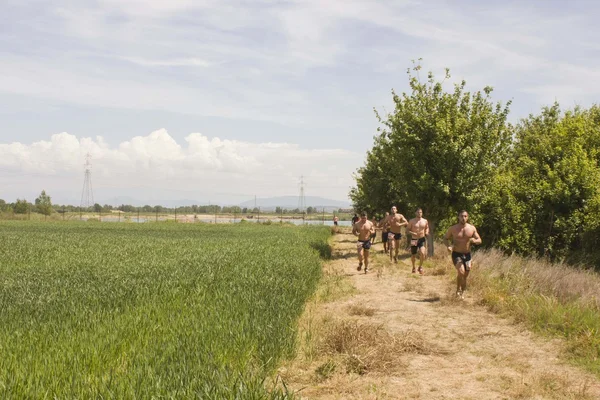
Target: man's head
x=463, y=217
x=363, y=216
x=419, y=213
x=394, y=210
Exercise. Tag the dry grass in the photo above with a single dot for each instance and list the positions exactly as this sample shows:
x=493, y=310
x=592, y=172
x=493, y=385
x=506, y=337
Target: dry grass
x=564, y=282
x=544, y=384
x=412, y=284
x=550, y=298
x=361, y=309
x=365, y=347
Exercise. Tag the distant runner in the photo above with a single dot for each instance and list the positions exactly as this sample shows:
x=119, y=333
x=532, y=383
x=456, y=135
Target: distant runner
x=383, y=224
x=335, y=220
x=395, y=222
x=363, y=229
x=418, y=228
x=462, y=235
x=374, y=234
x=355, y=219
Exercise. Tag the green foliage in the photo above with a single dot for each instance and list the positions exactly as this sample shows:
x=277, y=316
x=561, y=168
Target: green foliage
x=21, y=207
x=150, y=310
x=43, y=204
x=435, y=149
x=545, y=201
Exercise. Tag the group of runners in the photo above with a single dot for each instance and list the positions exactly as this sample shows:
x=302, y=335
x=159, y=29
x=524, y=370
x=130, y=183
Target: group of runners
x=458, y=240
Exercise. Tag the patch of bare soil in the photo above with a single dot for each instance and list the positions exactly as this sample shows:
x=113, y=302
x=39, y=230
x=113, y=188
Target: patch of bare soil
x=391, y=334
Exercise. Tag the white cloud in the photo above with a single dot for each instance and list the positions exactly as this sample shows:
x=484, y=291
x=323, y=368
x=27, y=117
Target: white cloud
x=210, y=165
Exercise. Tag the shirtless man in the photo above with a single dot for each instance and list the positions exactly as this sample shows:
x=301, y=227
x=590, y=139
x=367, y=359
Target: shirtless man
x=383, y=224
x=418, y=228
x=462, y=235
x=395, y=222
x=363, y=229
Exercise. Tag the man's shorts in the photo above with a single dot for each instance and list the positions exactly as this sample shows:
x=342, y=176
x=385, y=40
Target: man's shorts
x=365, y=244
x=416, y=244
x=464, y=258
x=394, y=236
x=384, y=236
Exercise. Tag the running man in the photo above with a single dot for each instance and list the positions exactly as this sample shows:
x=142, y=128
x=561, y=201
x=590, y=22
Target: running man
x=363, y=229
x=395, y=222
x=462, y=235
x=418, y=228
x=383, y=224
x=335, y=220
x=374, y=234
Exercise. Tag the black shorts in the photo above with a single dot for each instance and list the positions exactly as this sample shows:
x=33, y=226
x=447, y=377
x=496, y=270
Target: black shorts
x=384, y=237
x=366, y=244
x=397, y=236
x=335, y=223
x=420, y=243
x=464, y=258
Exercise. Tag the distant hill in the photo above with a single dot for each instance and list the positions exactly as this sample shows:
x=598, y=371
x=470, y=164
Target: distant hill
x=291, y=202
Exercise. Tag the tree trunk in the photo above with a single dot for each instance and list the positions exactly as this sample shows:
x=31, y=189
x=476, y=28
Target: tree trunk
x=431, y=239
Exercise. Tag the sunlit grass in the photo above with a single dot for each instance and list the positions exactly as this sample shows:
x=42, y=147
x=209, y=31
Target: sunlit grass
x=150, y=310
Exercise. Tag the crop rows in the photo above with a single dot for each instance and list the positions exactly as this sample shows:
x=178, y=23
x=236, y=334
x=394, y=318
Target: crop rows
x=150, y=310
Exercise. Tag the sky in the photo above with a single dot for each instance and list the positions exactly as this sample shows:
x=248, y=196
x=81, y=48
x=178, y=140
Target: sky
x=221, y=101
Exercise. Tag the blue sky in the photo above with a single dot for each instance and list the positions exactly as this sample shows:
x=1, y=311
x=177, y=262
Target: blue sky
x=224, y=100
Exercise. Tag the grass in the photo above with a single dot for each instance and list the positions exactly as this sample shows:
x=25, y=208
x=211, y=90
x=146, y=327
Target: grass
x=151, y=310
x=367, y=347
x=553, y=299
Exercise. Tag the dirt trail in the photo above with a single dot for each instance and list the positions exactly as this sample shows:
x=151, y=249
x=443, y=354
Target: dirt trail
x=466, y=352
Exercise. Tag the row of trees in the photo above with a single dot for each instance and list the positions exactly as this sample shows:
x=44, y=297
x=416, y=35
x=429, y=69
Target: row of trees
x=42, y=205
x=531, y=187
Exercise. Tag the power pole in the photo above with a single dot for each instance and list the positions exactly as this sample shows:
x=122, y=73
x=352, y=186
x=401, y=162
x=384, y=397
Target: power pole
x=87, y=194
x=301, y=198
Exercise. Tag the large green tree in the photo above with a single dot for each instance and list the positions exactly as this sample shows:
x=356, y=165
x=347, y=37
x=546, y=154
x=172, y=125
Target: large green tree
x=43, y=204
x=546, y=201
x=436, y=150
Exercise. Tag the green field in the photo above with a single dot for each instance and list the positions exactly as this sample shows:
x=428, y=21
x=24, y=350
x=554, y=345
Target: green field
x=150, y=310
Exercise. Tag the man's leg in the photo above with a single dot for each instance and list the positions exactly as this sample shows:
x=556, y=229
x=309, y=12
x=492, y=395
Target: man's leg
x=391, y=248
x=360, y=259
x=464, y=282
x=422, y=256
x=412, y=260
x=460, y=272
x=366, y=260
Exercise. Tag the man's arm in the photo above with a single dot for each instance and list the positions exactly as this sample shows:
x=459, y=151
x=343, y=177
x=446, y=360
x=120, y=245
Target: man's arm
x=403, y=221
x=476, y=239
x=409, y=228
x=372, y=228
x=355, y=230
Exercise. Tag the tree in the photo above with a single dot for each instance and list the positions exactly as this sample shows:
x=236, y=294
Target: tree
x=546, y=201
x=21, y=207
x=436, y=150
x=43, y=204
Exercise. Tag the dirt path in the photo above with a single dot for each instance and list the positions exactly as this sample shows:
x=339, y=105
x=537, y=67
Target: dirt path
x=413, y=339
